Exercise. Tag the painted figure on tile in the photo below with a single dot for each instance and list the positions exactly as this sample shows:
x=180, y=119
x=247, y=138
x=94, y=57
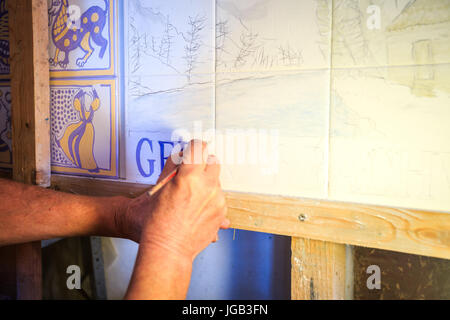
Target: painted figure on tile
x=4, y=38
x=5, y=128
x=67, y=36
x=77, y=143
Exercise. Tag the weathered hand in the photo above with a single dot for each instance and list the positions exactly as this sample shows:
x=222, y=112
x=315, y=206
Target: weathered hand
x=185, y=215
x=131, y=218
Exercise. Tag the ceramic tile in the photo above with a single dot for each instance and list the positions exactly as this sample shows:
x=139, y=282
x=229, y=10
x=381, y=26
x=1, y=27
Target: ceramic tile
x=4, y=40
x=389, y=137
x=169, y=37
x=371, y=33
x=84, y=127
x=272, y=132
x=157, y=113
x=82, y=37
x=272, y=35
x=5, y=126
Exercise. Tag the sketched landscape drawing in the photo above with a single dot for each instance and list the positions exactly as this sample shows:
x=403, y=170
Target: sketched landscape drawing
x=390, y=94
x=338, y=90
x=163, y=43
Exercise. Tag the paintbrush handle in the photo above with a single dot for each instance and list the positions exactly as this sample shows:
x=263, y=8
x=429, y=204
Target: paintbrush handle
x=162, y=183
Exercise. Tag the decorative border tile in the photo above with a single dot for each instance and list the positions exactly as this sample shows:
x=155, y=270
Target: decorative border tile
x=74, y=147
x=4, y=40
x=5, y=126
x=92, y=19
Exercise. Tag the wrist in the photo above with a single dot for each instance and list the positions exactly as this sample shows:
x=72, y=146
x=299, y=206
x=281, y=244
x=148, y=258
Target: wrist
x=160, y=272
x=166, y=244
x=119, y=217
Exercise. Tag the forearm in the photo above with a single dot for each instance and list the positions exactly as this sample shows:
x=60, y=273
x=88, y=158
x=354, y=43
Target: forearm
x=160, y=273
x=30, y=213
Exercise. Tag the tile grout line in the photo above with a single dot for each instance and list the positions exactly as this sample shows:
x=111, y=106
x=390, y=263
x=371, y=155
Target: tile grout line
x=215, y=71
x=328, y=137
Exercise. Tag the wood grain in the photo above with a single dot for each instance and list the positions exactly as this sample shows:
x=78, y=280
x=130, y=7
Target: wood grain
x=318, y=270
x=30, y=91
x=97, y=187
x=29, y=271
x=8, y=287
x=28, y=32
x=411, y=231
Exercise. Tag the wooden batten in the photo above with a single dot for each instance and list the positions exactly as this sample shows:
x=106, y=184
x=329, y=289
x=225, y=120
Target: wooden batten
x=320, y=270
x=30, y=93
x=411, y=231
x=28, y=32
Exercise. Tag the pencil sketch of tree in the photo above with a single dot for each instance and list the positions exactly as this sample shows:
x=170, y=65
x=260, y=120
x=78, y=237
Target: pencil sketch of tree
x=221, y=36
x=348, y=36
x=251, y=49
x=193, y=43
x=289, y=56
x=137, y=46
x=323, y=14
x=162, y=47
x=247, y=47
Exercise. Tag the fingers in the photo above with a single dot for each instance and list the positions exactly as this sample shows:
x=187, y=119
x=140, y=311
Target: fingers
x=219, y=211
x=196, y=153
x=222, y=209
x=225, y=224
x=196, y=158
x=168, y=167
x=212, y=166
x=200, y=175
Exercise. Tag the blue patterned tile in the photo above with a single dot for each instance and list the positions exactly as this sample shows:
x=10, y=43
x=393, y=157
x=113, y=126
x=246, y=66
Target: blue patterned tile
x=5, y=126
x=82, y=37
x=4, y=40
x=84, y=127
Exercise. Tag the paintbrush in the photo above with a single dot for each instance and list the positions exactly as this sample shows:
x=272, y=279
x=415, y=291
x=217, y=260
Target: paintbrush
x=162, y=183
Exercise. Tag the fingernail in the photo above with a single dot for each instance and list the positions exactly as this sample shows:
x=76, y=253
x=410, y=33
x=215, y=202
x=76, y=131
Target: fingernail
x=212, y=159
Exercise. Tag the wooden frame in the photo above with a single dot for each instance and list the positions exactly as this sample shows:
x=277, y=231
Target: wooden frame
x=30, y=122
x=312, y=279
x=411, y=231
x=321, y=231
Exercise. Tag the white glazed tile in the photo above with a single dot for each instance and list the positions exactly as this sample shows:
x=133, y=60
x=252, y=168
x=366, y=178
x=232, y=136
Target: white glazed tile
x=389, y=137
x=272, y=35
x=280, y=143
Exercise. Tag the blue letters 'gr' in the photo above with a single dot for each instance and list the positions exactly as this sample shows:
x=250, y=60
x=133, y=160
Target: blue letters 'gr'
x=151, y=163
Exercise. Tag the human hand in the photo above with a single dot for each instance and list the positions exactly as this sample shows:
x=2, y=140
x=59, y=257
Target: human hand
x=185, y=215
